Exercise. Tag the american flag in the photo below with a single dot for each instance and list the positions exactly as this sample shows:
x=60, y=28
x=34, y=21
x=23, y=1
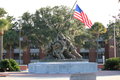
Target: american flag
x=80, y=15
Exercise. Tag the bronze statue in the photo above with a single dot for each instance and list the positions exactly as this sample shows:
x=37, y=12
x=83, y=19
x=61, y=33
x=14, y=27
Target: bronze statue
x=62, y=48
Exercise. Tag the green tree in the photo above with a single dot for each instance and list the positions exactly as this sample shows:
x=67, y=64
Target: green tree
x=110, y=31
x=87, y=39
x=10, y=40
x=43, y=26
x=4, y=25
x=83, y=40
x=97, y=30
x=2, y=12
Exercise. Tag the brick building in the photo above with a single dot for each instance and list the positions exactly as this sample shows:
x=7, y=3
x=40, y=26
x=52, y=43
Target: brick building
x=34, y=54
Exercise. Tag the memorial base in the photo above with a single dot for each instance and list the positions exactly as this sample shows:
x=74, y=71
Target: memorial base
x=83, y=76
x=78, y=70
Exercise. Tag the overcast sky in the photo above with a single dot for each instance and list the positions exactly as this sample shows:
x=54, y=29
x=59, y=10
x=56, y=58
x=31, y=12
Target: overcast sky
x=97, y=10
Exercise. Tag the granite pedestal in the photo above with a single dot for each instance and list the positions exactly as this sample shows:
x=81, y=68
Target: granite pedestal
x=78, y=70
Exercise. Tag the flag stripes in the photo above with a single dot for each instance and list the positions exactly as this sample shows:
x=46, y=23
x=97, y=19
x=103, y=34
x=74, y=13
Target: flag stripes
x=80, y=15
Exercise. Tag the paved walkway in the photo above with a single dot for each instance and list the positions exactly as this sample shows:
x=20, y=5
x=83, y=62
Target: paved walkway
x=101, y=75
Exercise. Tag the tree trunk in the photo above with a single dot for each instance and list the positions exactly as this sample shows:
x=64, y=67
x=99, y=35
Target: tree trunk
x=10, y=51
x=41, y=54
x=97, y=47
x=1, y=47
x=118, y=50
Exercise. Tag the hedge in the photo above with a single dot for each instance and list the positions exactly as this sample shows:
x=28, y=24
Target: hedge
x=112, y=64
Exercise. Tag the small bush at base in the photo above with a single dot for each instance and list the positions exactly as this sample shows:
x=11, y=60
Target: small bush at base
x=112, y=64
x=9, y=65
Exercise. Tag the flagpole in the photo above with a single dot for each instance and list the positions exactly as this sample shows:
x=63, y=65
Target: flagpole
x=65, y=20
x=73, y=6
x=69, y=13
x=71, y=10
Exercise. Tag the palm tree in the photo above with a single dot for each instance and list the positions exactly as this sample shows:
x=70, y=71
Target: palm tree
x=4, y=25
x=10, y=41
x=96, y=30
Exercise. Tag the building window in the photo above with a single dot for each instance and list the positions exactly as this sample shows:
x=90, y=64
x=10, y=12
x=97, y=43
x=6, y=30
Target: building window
x=100, y=56
x=102, y=44
x=4, y=55
x=16, y=56
x=85, y=55
x=34, y=56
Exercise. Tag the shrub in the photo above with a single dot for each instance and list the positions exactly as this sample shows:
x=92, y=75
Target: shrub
x=112, y=64
x=9, y=65
x=4, y=65
x=14, y=65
